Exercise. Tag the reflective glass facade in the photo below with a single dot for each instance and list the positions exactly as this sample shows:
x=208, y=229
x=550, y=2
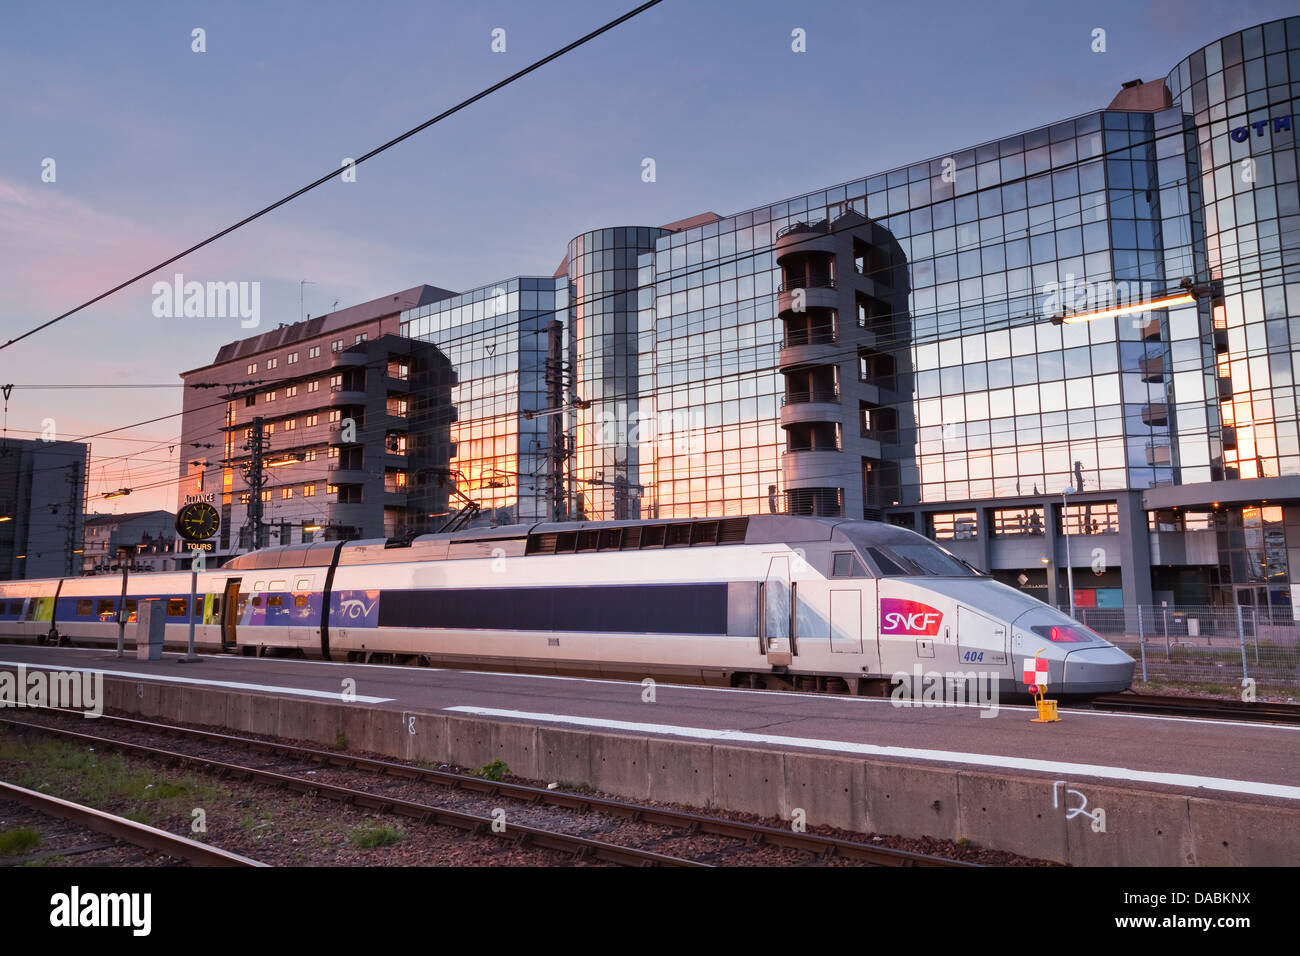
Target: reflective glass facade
x=900, y=360
x=496, y=339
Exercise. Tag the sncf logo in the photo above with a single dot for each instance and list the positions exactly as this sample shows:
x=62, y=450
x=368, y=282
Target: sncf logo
x=898, y=616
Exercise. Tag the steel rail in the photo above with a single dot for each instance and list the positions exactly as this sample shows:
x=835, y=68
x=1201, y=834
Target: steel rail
x=816, y=844
x=580, y=847
x=120, y=828
x=1206, y=707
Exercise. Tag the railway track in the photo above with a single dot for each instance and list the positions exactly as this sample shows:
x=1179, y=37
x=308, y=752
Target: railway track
x=681, y=824
x=1198, y=707
x=120, y=828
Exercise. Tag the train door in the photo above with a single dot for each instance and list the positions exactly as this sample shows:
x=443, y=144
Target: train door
x=846, y=621
x=980, y=639
x=778, y=639
x=229, y=613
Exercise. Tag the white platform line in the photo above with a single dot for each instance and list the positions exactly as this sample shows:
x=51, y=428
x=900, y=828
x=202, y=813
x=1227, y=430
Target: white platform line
x=228, y=684
x=1057, y=767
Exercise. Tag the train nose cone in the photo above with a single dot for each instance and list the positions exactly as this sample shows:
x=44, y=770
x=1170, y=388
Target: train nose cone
x=1098, y=670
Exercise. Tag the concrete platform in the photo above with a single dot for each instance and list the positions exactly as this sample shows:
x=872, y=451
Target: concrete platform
x=1172, y=790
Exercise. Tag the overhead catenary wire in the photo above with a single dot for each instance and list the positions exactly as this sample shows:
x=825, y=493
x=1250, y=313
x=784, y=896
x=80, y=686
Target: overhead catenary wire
x=909, y=340
x=536, y=65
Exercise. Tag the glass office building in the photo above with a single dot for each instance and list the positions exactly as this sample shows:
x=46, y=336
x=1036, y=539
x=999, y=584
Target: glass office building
x=497, y=339
x=886, y=348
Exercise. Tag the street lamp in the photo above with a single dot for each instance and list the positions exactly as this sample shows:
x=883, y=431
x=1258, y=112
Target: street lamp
x=1069, y=565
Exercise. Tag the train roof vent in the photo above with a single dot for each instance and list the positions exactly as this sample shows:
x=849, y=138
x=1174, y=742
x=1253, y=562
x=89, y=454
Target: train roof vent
x=732, y=530
x=542, y=543
x=679, y=535
x=704, y=532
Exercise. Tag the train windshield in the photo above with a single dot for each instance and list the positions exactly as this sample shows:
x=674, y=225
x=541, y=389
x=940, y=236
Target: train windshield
x=899, y=553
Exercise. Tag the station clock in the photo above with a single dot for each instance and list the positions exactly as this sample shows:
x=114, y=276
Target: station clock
x=197, y=521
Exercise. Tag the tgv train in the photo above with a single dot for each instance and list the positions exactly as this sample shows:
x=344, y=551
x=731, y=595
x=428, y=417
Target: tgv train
x=764, y=601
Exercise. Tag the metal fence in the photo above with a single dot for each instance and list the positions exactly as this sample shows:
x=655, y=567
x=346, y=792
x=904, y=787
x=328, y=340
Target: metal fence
x=1218, y=649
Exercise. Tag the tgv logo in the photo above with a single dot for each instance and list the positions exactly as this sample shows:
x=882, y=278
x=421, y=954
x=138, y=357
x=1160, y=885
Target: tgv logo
x=898, y=616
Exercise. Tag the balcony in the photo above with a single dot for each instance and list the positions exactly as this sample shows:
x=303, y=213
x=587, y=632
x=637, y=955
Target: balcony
x=341, y=395
x=347, y=475
x=802, y=240
x=348, y=359
x=813, y=467
x=793, y=355
x=816, y=292
x=821, y=405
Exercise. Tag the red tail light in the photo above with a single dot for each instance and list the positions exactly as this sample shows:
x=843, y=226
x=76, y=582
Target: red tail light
x=1066, y=633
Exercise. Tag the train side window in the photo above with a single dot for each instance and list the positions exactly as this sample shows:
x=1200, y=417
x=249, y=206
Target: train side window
x=257, y=601
x=15, y=607
x=130, y=610
x=274, y=600
x=275, y=586
x=845, y=564
x=302, y=584
x=105, y=607
x=300, y=600
x=259, y=586
x=176, y=607
x=85, y=608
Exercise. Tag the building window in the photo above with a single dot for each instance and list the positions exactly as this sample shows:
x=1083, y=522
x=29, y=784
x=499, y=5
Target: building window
x=290, y=424
x=243, y=499
x=336, y=345
x=269, y=397
x=250, y=400
x=286, y=494
x=309, y=455
x=361, y=337
x=272, y=363
x=291, y=391
x=266, y=495
x=309, y=491
x=311, y=419
x=1009, y=522
x=270, y=428
x=331, y=489
x=313, y=386
x=1092, y=517
x=334, y=451
x=957, y=526
x=292, y=359
x=336, y=383
x=252, y=368
x=314, y=352
x=336, y=415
